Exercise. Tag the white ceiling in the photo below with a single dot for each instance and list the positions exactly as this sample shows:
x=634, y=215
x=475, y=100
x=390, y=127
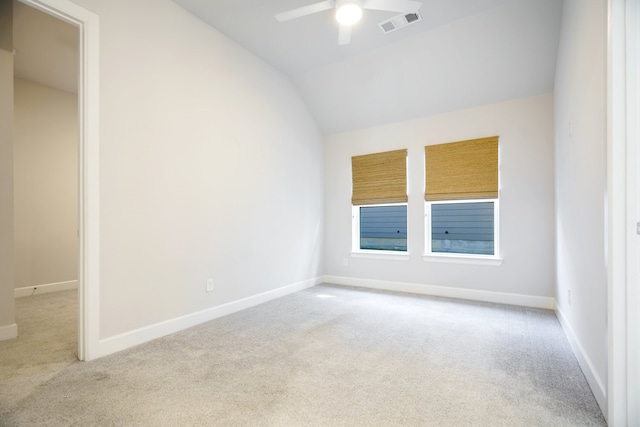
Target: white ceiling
x=464, y=53
x=312, y=41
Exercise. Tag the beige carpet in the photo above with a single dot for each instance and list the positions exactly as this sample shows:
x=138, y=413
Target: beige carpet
x=326, y=356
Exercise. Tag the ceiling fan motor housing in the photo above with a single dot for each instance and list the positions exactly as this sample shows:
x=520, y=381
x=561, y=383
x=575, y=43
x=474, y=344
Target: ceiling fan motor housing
x=348, y=12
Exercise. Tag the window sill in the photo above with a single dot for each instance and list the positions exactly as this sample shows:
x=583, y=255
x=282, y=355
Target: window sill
x=388, y=255
x=463, y=259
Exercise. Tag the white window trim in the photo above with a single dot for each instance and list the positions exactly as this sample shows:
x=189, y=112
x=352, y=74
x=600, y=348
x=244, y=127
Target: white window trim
x=356, y=252
x=386, y=255
x=430, y=256
x=491, y=260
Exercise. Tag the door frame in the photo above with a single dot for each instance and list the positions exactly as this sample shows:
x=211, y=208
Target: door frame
x=623, y=207
x=88, y=170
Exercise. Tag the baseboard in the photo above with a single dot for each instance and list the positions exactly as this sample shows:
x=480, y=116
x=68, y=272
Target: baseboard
x=598, y=387
x=148, y=333
x=45, y=289
x=8, y=332
x=442, y=291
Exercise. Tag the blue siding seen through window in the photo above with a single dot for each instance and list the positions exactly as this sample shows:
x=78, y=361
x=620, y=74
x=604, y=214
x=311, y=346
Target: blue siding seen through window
x=383, y=227
x=466, y=228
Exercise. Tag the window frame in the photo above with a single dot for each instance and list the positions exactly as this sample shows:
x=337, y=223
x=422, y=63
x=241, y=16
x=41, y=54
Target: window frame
x=356, y=252
x=429, y=255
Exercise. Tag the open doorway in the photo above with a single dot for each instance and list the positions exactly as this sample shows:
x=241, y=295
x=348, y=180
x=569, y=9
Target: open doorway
x=46, y=142
x=88, y=234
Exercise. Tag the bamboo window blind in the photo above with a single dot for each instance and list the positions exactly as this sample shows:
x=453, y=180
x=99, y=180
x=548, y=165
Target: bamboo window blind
x=379, y=178
x=462, y=170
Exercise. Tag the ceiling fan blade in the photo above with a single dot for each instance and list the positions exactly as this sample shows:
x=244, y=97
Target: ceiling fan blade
x=305, y=10
x=402, y=6
x=344, y=36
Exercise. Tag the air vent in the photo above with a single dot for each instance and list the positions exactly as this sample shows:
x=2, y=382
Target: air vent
x=399, y=21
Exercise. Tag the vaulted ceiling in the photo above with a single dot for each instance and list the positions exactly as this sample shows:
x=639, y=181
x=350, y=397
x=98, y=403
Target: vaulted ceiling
x=462, y=54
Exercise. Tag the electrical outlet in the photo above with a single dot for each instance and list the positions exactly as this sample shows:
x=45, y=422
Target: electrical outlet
x=345, y=262
x=209, y=285
x=569, y=296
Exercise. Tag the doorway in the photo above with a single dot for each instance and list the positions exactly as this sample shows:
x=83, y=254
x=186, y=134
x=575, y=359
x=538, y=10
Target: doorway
x=88, y=230
x=45, y=147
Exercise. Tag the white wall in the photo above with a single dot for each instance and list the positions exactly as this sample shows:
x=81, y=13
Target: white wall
x=45, y=185
x=8, y=328
x=525, y=128
x=580, y=152
x=210, y=167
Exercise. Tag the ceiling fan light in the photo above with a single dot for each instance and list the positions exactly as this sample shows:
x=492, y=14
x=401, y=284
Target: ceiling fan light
x=348, y=14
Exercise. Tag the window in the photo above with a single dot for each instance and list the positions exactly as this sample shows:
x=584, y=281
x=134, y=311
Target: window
x=463, y=227
x=382, y=227
x=461, y=198
x=379, y=199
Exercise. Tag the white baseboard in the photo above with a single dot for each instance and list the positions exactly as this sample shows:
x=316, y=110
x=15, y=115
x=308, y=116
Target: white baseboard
x=598, y=388
x=45, y=289
x=442, y=291
x=139, y=336
x=8, y=332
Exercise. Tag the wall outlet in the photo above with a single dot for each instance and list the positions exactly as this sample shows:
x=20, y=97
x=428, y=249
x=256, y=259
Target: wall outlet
x=209, y=285
x=569, y=296
x=345, y=262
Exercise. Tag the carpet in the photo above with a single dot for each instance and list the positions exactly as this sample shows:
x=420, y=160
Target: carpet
x=325, y=356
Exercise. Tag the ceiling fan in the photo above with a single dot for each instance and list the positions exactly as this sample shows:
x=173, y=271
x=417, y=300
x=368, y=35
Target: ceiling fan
x=348, y=12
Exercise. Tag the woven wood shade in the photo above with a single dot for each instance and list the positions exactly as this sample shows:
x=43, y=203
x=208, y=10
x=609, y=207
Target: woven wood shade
x=462, y=170
x=379, y=178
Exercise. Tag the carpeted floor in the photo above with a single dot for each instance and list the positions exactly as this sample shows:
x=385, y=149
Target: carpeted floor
x=326, y=356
